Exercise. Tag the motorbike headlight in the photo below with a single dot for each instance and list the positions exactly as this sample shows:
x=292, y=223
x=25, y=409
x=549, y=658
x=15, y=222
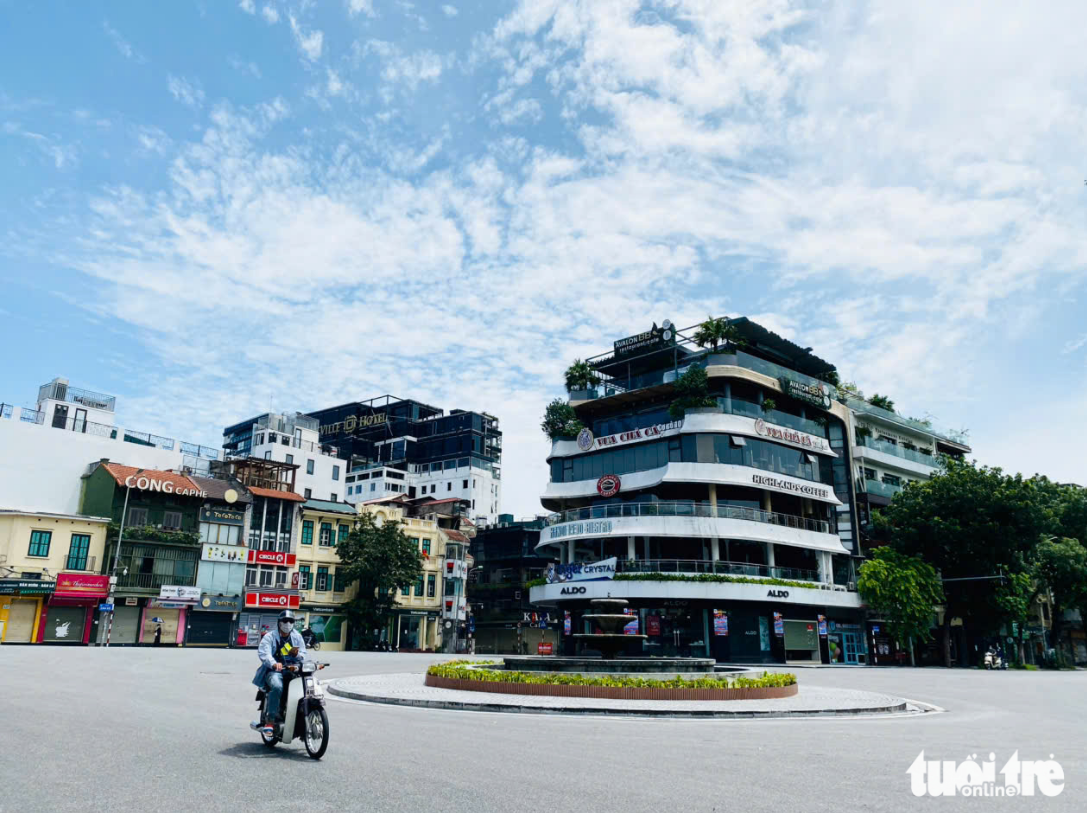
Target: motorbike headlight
x=308, y=668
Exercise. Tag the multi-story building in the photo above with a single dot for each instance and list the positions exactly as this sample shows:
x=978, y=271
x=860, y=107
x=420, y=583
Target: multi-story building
x=891, y=450
x=68, y=429
x=398, y=446
x=220, y=576
x=320, y=472
x=321, y=581
x=506, y=560
x=731, y=530
x=49, y=585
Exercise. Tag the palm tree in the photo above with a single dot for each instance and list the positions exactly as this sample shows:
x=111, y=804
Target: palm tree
x=714, y=332
x=580, y=376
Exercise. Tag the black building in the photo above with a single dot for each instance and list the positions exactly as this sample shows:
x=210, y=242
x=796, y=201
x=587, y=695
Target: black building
x=506, y=559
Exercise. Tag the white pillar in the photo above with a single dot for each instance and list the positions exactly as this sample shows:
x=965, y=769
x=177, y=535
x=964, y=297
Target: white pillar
x=570, y=552
x=713, y=499
x=631, y=553
x=422, y=632
x=770, y=554
x=715, y=549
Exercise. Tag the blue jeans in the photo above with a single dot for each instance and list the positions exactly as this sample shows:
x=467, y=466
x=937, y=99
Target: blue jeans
x=273, y=682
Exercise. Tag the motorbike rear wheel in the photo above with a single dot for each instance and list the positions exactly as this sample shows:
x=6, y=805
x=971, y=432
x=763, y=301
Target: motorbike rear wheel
x=316, y=733
x=271, y=742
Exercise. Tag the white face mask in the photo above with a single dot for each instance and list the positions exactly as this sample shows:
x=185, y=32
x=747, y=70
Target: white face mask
x=286, y=627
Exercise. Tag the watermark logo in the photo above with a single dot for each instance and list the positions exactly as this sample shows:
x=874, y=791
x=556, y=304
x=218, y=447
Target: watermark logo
x=972, y=778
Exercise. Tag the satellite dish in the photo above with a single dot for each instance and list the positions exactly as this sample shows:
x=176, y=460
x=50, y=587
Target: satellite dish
x=231, y=496
x=667, y=323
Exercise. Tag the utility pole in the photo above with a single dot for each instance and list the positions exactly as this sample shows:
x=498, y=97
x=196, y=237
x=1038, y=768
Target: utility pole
x=116, y=556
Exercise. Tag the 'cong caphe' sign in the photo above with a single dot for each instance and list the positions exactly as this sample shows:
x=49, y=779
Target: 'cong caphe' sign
x=145, y=483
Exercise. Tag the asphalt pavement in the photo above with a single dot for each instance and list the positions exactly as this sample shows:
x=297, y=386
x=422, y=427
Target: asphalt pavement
x=87, y=729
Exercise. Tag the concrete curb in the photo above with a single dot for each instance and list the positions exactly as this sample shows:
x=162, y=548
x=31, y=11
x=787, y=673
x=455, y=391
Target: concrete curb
x=457, y=705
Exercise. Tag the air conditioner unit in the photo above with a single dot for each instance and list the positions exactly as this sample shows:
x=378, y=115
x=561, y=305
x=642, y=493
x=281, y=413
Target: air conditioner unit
x=852, y=586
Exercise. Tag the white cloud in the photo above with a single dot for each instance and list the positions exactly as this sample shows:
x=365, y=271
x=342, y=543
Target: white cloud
x=248, y=6
x=449, y=11
x=242, y=66
x=336, y=86
x=366, y=7
x=271, y=16
x=152, y=140
x=1073, y=345
x=186, y=92
x=310, y=43
x=123, y=46
x=406, y=70
x=52, y=147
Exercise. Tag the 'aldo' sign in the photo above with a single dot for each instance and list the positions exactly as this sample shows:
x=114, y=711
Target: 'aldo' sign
x=572, y=591
x=778, y=594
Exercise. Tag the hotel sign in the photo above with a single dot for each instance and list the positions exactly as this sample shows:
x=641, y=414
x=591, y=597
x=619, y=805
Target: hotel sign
x=349, y=425
x=782, y=433
x=815, y=394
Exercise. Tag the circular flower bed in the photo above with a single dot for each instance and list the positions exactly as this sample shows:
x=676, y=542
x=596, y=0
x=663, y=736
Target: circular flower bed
x=469, y=676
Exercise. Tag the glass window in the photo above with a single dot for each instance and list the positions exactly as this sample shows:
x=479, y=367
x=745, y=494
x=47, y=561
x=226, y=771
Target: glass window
x=419, y=586
x=39, y=543
x=426, y=547
x=340, y=580
x=335, y=497
x=344, y=531
x=281, y=577
x=307, y=532
x=171, y=520
x=309, y=467
x=268, y=455
x=250, y=576
x=326, y=534
x=335, y=472
x=265, y=577
x=77, y=553
x=373, y=486
x=290, y=458
x=303, y=577
x=430, y=585
x=137, y=516
x=308, y=493
x=322, y=579
x=465, y=485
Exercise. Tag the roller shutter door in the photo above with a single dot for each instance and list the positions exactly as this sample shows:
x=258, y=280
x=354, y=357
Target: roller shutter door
x=126, y=625
x=20, y=624
x=209, y=629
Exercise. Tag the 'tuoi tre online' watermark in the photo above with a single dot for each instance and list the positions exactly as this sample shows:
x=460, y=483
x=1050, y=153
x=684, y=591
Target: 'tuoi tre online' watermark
x=1018, y=777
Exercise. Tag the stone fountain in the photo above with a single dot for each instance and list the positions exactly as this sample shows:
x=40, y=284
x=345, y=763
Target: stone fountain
x=611, y=621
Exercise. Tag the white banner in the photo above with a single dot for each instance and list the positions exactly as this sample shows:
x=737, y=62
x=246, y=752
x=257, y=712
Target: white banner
x=583, y=571
x=179, y=593
x=223, y=553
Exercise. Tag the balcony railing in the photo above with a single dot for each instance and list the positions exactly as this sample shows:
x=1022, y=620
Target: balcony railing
x=881, y=489
x=696, y=567
x=84, y=563
x=75, y=395
x=899, y=451
x=686, y=509
x=862, y=406
x=154, y=581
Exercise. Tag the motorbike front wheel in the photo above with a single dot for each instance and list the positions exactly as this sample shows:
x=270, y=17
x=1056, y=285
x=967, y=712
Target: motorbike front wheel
x=271, y=741
x=316, y=736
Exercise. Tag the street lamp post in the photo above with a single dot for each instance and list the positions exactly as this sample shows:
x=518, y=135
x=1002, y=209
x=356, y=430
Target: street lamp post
x=116, y=556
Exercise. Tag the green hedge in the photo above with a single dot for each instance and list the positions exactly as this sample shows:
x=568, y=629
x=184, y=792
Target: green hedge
x=463, y=670
x=536, y=582
x=709, y=577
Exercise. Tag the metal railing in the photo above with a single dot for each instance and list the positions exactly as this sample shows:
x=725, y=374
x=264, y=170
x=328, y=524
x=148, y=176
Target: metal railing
x=719, y=568
x=860, y=405
x=28, y=415
x=879, y=488
x=85, y=427
x=75, y=395
x=686, y=509
x=899, y=451
x=200, y=451
x=154, y=581
x=84, y=563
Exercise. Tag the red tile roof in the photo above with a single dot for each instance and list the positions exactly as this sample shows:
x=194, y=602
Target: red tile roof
x=180, y=482
x=456, y=536
x=440, y=502
x=271, y=493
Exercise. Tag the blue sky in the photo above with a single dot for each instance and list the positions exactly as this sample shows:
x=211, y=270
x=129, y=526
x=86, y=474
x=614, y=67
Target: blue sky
x=210, y=209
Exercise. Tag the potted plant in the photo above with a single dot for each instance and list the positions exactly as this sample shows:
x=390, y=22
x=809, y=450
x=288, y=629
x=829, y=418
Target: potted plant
x=882, y=401
x=581, y=376
x=714, y=332
x=560, y=421
x=692, y=391
x=769, y=404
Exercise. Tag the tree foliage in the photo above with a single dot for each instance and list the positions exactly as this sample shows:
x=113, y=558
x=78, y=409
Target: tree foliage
x=903, y=589
x=714, y=332
x=1060, y=564
x=560, y=420
x=382, y=560
x=581, y=376
x=692, y=392
x=882, y=401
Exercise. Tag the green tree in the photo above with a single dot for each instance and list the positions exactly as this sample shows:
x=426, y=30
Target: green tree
x=971, y=523
x=1060, y=565
x=581, y=376
x=882, y=401
x=904, y=590
x=714, y=332
x=1014, y=597
x=831, y=377
x=560, y=420
x=381, y=559
x=692, y=392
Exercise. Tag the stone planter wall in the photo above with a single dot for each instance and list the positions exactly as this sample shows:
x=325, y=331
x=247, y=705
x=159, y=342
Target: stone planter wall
x=609, y=692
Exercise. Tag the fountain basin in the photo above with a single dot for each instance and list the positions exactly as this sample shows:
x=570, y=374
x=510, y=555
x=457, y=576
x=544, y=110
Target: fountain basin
x=688, y=667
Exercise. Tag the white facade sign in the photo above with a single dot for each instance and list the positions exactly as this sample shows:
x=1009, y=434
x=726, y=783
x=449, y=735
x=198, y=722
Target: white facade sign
x=790, y=436
x=223, y=553
x=586, y=441
x=585, y=571
x=791, y=486
x=179, y=593
x=165, y=486
x=592, y=527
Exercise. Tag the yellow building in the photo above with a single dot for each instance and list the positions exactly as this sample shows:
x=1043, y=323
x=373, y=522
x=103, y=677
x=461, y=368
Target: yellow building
x=47, y=590
x=416, y=621
x=320, y=580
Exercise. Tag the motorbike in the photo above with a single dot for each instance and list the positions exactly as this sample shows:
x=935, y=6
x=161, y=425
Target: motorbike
x=310, y=637
x=993, y=660
x=302, y=710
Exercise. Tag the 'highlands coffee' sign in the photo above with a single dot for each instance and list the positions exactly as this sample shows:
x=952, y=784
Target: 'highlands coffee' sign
x=789, y=485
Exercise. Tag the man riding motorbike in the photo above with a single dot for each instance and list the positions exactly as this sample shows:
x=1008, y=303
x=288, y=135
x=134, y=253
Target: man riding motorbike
x=275, y=653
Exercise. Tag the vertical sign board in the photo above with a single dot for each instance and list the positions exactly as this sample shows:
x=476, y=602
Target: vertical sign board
x=720, y=622
x=566, y=624
x=822, y=626
x=779, y=625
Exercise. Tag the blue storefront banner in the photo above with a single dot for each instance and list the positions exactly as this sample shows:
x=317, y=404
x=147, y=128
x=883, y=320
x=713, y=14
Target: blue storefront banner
x=566, y=624
x=720, y=622
x=583, y=571
x=779, y=624
x=822, y=626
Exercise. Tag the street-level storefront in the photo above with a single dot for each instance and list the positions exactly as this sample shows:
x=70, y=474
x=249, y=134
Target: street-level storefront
x=211, y=622
x=261, y=612
x=846, y=643
x=164, y=620
x=414, y=630
x=21, y=603
x=67, y=618
x=328, y=623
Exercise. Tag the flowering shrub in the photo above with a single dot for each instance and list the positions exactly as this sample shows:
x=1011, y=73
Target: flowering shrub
x=464, y=670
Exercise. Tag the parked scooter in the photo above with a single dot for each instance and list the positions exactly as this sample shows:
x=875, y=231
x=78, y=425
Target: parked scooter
x=310, y=637
x=303, y=710
x=993, y=660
